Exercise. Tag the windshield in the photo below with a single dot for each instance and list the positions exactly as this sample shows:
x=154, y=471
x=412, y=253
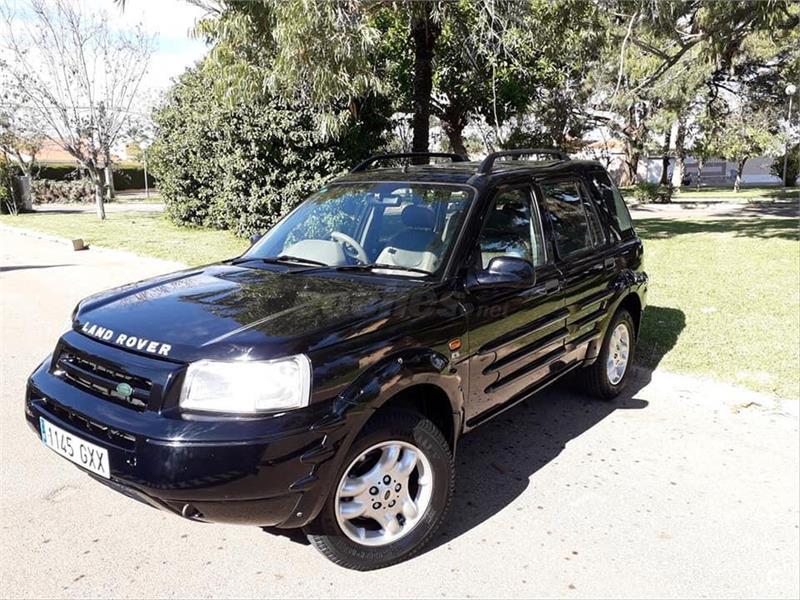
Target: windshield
x=403, y=228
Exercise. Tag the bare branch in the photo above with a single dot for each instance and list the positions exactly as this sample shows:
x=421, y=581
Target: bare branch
x=73, y=75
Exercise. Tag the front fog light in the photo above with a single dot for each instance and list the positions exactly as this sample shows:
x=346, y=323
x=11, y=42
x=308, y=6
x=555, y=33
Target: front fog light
x=247, y=387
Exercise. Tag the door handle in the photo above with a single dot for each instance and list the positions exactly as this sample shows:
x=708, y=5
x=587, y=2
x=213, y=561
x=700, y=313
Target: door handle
x=551, y=285
x=609, y=263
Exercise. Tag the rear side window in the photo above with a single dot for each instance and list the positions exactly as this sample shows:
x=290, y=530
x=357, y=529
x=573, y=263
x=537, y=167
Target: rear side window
x=612, y=202
x=576, y=225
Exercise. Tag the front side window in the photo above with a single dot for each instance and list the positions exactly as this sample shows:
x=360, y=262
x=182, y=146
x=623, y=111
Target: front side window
x=512, y=228
x=576, y=226
x=613, y=202
x=409, y=225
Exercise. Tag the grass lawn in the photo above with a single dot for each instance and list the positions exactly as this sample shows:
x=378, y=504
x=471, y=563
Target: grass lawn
x=712, y=193
x=724, y=294
x=141, y=232
x=724, y=300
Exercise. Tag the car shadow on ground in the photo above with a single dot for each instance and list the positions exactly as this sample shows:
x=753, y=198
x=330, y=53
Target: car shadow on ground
x=496, y=462
x=661, y=328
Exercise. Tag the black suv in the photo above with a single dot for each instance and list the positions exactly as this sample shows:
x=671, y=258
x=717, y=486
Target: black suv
x=323, y=379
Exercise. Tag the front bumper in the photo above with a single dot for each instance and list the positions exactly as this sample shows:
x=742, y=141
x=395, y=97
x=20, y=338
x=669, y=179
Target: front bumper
x=273, y=471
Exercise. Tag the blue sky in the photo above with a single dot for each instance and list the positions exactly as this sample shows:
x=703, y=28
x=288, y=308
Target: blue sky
x=171, y=21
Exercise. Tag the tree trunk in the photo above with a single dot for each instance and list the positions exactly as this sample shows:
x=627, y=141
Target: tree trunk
x=737, y=184
x=424, y=33
x=455, y=136
x=680, y=155
x=26, y=166
x=665, y=159
x=99, y=191
x=630, y=166
x=700, y=165
x=109, y=175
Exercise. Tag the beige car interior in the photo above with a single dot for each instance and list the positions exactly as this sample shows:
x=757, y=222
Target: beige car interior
x=417, y=245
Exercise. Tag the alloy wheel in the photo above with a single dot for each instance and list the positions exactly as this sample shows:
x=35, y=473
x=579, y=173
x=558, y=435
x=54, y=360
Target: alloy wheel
x=384, y=493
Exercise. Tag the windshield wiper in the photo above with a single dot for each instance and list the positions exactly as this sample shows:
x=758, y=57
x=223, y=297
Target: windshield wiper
x=386, y=266
x=281, y=259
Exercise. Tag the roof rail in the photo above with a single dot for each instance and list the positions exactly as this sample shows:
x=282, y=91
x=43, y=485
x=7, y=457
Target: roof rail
x=488, y=162
x=363, y=166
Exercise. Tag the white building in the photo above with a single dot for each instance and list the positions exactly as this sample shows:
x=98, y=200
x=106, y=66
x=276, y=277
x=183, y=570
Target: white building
x=716, y=171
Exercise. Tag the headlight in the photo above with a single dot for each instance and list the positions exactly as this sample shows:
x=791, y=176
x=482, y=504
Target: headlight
x=243, y=387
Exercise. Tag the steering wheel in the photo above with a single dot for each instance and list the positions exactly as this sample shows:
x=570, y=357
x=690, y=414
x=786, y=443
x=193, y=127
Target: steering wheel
x=357, y=250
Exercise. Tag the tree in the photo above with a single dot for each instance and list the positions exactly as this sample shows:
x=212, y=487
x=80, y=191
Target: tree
x=742, y=134
x=76, y=75
x=655, y=40
x=702, y=145
x=320, y=54
x=456, y=60
x=20, y=137
x=519, y=67
x=23, y=148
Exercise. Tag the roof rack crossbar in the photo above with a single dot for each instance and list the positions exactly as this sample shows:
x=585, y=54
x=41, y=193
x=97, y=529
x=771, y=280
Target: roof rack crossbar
x=488, y=162
x=380, y=157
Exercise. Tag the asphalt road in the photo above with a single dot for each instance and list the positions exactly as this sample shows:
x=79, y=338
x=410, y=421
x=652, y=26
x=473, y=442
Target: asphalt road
x=681, y=488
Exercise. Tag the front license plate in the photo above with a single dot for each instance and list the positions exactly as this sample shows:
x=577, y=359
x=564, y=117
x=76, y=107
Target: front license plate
x=90, y=457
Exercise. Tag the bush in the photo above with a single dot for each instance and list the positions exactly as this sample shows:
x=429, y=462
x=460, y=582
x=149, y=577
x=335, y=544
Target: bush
x=653, y=192
x=8, y=204
x=792, y=166
x=46, y=191
x=243, y=167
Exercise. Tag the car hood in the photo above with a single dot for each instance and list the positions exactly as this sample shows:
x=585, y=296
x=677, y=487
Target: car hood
x=230, y=312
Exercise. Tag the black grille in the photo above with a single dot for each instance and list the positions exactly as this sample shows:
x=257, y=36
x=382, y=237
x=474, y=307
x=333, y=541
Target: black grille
x=85, y=424
x=103, y=380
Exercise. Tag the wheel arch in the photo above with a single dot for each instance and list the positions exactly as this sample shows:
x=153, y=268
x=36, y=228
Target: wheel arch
x=432, y=402
x=422, y=380
x=630, y=302
x=633, y=304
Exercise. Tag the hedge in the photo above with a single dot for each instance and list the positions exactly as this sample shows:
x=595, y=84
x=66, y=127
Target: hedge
x=127, y=176
x=132, y=178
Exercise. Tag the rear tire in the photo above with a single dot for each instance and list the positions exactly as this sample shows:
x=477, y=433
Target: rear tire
x=609, y=374
x=377, y=478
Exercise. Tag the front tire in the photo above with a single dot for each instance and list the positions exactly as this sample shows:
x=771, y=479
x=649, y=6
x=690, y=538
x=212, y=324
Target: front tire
x=390, y=496
x=609, y=374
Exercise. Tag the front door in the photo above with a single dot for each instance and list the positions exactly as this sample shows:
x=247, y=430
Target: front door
x=584, y=259
x=515, y=335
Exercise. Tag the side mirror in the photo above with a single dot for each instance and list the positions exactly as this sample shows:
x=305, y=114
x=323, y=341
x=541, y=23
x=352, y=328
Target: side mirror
x=503, y=272
x=254, y=238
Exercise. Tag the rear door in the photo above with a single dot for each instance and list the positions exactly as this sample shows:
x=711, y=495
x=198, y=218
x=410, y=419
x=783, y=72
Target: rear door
x=584, y=257
x=516, y=334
